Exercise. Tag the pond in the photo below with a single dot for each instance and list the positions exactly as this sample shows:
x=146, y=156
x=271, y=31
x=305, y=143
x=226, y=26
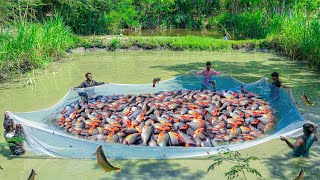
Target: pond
x=174, y=32
x=136, y=67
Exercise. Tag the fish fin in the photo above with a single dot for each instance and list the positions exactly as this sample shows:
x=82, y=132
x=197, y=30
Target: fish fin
x=300, y=175
x=107, y=170
x=118, y=170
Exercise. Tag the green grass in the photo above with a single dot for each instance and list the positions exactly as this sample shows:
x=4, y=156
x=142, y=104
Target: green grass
x=33, y=45
x=192, y=43
x=296, y=36
x=299, y=38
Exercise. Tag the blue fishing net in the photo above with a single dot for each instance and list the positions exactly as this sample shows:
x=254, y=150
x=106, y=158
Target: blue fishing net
x=45, y=138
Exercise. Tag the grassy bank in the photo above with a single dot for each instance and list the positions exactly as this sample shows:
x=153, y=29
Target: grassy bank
x=299, y=38
x=293, y=34
x=191, y=43
x=33, y=45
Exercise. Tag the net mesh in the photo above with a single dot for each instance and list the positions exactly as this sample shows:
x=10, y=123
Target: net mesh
x=44, y=137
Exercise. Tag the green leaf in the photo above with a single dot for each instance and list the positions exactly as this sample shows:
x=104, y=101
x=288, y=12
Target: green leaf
x=16, y=139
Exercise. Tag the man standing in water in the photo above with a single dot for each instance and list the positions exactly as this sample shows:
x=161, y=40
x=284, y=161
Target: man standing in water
x=208, y=72
x=276, y=84
x=89, y=82
x=302, y=145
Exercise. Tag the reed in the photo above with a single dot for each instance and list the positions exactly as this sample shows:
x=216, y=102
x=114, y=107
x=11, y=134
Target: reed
x=33, y=45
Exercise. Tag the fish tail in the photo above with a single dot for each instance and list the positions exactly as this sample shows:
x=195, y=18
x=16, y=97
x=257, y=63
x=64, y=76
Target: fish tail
x=118, y=170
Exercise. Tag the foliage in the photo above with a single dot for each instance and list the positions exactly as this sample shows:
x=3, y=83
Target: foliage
x=32, y=45
x=192, y=43
x=83, y=16
x=241, y=165
x=10, y=141
x=32, y=32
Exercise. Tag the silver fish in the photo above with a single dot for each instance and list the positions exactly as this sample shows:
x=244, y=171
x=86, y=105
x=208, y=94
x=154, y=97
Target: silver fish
x=180, y=126
x=135, y=114
x=184, y=111
x=187, y=139
x=152, y=142
x=146, y=134
x=112, y=138
x=131, y=138
x=174, y=138
x=206, y=143
x=163, y=139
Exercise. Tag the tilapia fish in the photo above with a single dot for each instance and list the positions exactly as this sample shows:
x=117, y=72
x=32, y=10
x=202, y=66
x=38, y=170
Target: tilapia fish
x=201, y=118
x=103, y=162
x=306, y=100
x=32, y=175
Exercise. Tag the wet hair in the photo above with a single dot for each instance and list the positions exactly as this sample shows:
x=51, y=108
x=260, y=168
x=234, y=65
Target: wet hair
x=308, y=128
x=88, y=74
x=208, y=63
x=275, y=74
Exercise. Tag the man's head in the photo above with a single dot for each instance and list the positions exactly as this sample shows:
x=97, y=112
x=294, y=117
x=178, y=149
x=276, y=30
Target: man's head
x=8, y=123
x=274, y=76
x=208, y=64
x=89, y=76
x=308, y=128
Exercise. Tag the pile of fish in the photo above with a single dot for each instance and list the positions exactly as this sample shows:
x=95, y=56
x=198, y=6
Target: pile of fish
x=191, y=118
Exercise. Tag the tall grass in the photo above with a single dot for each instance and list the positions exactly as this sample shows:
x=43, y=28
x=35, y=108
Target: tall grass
x=299, y=38
x=32, y=45
x=295, y=35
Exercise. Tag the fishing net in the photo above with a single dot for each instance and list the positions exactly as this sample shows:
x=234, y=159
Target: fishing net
x=45, y=138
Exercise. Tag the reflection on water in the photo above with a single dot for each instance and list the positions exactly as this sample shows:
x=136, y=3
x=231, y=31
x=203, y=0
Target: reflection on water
x=134, y=67
x=174, y=32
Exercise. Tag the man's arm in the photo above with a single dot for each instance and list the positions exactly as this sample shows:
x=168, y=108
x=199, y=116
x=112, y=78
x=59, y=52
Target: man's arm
x=81, y=85
x=284, y=86
x=316, y=137
x=216, y=72
x=298, y=143
x=98, y=83
x=200, y=73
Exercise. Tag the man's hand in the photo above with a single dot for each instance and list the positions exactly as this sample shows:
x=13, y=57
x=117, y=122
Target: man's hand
x=315, y=126
x=283, y=138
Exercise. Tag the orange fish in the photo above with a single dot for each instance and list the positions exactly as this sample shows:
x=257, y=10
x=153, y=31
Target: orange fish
x=111, y=128
x=200, y=122
x=161, y=127
x=73, y=115
x=268, y=127
x=255, y=122
x=196, y=114
x=247, y=137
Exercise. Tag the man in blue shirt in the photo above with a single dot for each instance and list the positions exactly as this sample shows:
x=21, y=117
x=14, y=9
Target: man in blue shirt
x=302, y=145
